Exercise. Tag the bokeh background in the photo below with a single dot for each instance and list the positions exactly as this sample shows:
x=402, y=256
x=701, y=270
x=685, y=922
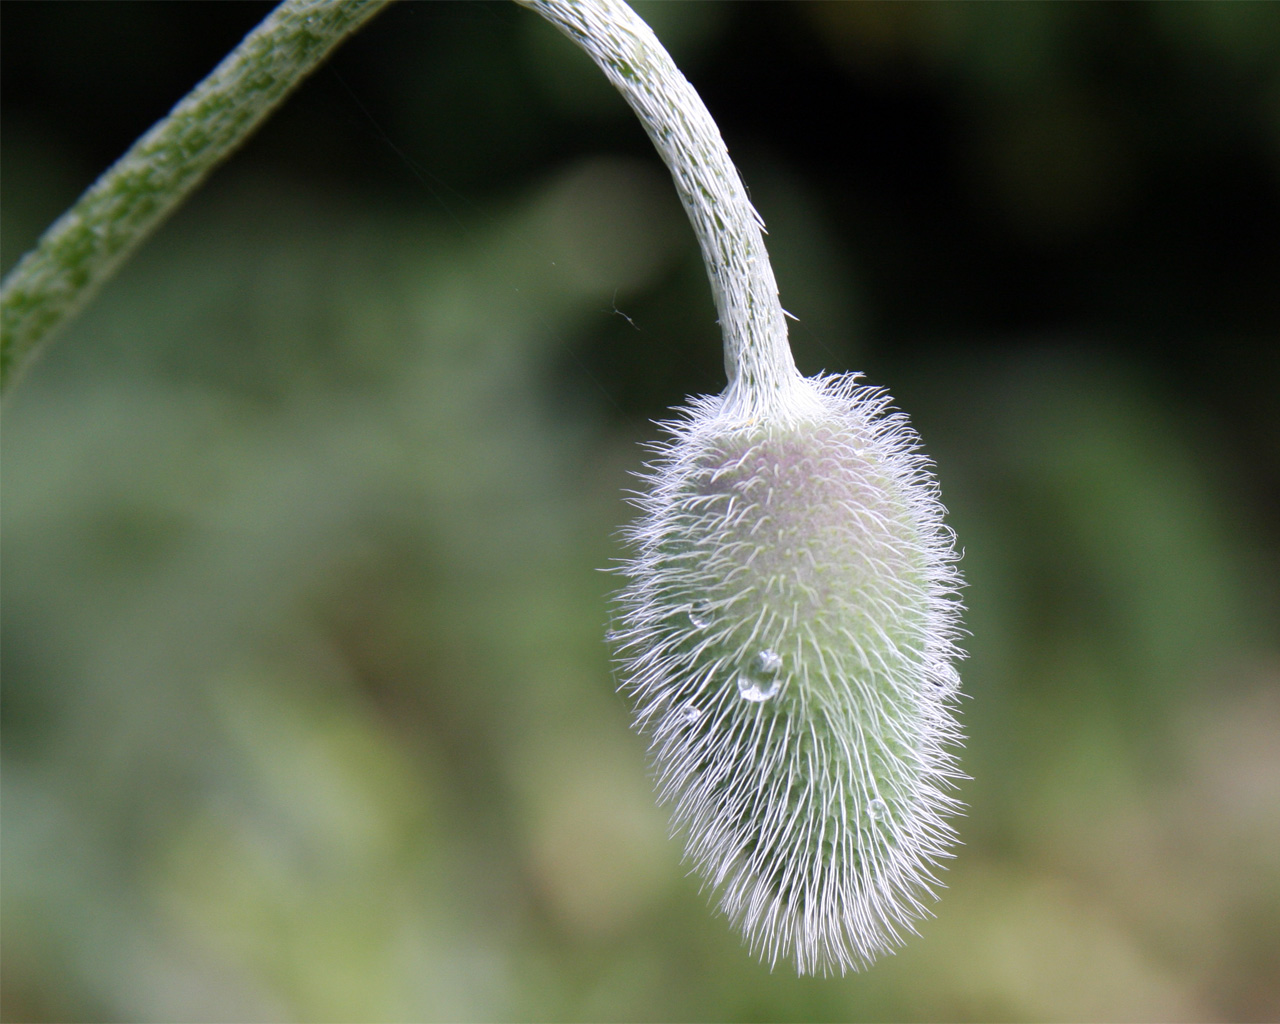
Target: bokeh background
x=306, y=709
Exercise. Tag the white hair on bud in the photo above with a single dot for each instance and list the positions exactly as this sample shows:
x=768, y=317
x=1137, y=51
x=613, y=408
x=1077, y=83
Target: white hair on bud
x=787, y=634
x=787, y=637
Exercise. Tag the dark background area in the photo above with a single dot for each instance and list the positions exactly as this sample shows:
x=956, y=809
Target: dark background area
x=306, y=712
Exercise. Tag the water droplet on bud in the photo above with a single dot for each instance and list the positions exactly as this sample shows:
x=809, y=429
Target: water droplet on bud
x=700, y=615
x=769, y=661
x=763, y=680
x=877, y=809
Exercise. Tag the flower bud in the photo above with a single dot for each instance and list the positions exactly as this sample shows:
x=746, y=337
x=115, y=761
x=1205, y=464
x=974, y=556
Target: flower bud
x=787, y=638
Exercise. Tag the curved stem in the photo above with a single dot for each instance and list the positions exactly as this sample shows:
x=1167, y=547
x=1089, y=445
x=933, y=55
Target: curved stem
x=757, y=356
x=86, y=244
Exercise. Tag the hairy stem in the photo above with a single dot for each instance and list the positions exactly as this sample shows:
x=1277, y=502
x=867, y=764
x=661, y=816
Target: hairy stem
x=88, y=242
x=757, y=357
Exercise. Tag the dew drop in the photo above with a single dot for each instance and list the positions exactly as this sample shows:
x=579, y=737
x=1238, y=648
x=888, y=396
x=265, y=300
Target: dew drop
x=691, y=713
x=700, y=615
x=756, y=691
x=769, y=661
x=763, y=680
x=877, y=809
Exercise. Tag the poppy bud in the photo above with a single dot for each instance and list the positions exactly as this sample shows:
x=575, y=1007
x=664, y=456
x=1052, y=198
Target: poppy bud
x=787, y=639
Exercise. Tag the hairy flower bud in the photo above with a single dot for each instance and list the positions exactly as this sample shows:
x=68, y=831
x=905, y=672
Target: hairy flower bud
x=787, y=636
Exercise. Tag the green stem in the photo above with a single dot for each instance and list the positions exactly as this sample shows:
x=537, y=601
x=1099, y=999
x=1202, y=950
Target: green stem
x=88, y=242
x=757, y=356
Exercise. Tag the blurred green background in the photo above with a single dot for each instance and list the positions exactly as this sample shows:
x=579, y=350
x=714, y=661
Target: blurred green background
x=306, y=709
